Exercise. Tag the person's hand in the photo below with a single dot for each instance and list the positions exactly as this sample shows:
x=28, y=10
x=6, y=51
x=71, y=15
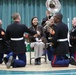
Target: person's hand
x=2, y=33
x=26, y=35
x=35, y=35
x=38, y=32
x=51, y=31
x=40, y=40
x=48, y=22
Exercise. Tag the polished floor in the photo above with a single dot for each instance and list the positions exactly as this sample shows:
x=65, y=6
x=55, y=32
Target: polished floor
x=43, y=69
x=63, y=72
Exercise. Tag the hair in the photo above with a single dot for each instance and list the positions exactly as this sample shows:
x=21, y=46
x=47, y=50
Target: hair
x=74, y=18
x=59, y=16
x=32, y=19
x=15, y=16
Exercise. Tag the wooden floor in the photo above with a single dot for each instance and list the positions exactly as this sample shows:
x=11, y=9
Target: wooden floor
x=42, y=67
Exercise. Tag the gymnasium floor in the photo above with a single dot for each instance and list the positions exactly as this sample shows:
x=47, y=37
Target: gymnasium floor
x=43, y=69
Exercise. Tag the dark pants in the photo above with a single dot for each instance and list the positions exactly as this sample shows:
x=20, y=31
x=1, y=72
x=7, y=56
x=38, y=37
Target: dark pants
x=20, y=62
x=59, y=61
x=1, y=57
x=74, y=55
x=49, y=52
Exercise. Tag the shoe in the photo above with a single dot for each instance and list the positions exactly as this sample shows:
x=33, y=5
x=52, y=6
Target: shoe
x=36, y=61
x=39, y=61
x=5, y=60
x=72, y=61
x=10, y=61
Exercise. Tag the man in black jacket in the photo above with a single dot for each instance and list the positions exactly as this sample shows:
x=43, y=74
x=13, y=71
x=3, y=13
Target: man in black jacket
x=73, y=39
x=14, y=34
x=4, y=45
x=60, y=43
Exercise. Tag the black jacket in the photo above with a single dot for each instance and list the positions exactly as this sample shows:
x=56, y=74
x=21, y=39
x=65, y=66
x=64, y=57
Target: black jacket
x=44, y=20
x=4, y=45
x=40, y=29
x=60, y=47
x=16, y=30
x=73, y=39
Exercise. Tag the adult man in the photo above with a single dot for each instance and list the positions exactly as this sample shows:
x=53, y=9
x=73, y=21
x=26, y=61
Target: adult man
x=2, y=33
x=73, y=39
x=60, y=43
x=4, y=46
x=49, y=37
x=14, y=33
x=44, y=20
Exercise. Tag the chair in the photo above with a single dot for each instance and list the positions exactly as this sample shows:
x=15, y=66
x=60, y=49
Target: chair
x=29, y=49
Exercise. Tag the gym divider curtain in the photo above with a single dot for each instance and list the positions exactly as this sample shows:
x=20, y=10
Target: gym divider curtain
x=30, y=8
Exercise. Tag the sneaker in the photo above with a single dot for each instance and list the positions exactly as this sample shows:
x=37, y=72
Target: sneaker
x=10, y=60
x=36, y=61
x=39, y=61
x=72, y=61
x=5, y=60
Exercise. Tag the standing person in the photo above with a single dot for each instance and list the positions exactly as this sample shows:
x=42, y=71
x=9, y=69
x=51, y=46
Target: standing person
x=60, y=43
x=4, y=46
x=44, y=22
x=14, y=33
x=45, y=19
x=73, y=39
x=37, y=41
x=49, y=37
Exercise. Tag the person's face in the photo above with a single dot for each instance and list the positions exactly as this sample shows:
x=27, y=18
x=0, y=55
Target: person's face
x=55, y=19
x=19, y=18
x=35, y=21
x=47, y=13
x=0, y=22
x=74, y=22
x=51, y=21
